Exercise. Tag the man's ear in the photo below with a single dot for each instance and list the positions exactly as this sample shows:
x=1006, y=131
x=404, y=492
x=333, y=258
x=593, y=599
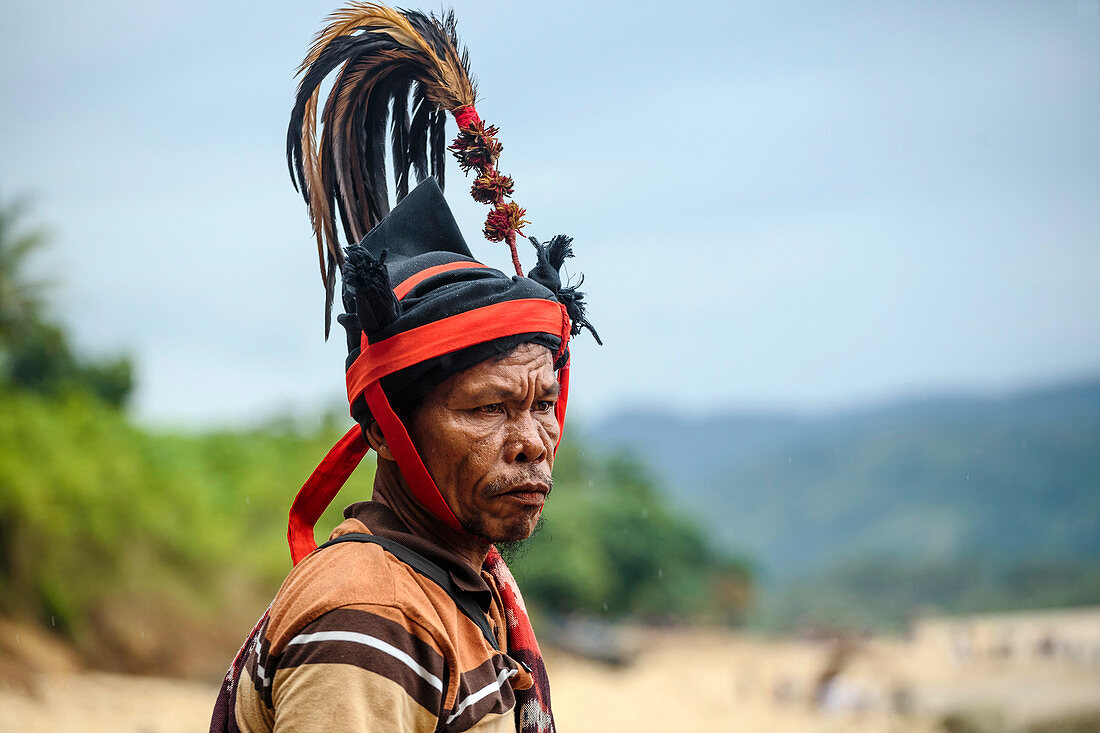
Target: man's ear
x=374, y=436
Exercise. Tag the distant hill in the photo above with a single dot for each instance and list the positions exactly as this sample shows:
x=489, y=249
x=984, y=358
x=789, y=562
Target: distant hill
x=920, y=483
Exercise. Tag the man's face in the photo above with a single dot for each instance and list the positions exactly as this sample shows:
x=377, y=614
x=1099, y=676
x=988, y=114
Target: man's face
x=487, y=437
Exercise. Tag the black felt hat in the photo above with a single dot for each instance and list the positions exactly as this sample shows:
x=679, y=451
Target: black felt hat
x=418, y=306
x=419, y=244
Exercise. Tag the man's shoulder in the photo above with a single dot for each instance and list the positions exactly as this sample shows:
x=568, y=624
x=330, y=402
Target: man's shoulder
x=352, y=574
x=353, y=616
x=345, y=628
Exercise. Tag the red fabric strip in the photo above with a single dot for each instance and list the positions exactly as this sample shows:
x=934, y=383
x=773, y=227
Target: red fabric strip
x=451, y=334
x=411, y=282
x=408, y=460
x=320, y=489
x=563, y=398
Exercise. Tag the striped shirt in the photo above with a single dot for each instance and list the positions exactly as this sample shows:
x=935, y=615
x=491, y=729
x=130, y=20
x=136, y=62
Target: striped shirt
x=356, y=640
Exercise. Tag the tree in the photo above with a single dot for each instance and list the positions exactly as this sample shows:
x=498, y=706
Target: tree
x=21, y=299
x=35, y=354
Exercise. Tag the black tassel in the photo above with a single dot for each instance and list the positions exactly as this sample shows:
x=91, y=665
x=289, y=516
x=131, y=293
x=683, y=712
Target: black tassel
x=367, y=283
x=551, y=256
x=545, y=272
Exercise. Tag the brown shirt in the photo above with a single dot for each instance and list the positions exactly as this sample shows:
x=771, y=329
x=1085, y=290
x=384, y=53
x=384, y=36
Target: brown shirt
x=356, y=640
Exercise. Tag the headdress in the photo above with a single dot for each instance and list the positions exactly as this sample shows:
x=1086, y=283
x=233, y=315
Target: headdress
x=418, y=306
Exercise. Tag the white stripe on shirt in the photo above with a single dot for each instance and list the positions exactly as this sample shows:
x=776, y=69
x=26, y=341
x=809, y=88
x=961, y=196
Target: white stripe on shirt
x=374, y=643
x=483, y=692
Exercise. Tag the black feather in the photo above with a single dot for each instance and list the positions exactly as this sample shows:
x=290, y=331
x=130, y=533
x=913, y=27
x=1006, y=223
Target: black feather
x=334, y=54
x=328, y=173
x=426, y=26
x=400, y=135
x=439, y=145
x=376, y=136
x=330, y=289
x=361, y=163
x=418, y=133
x=450, y=26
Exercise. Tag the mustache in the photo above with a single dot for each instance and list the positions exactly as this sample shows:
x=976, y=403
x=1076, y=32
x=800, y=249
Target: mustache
x=525, y=476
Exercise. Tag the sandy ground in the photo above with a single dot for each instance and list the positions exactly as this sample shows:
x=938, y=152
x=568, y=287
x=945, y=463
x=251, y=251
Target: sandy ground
x=680, y=680
x=706, y=682
x=87, y=702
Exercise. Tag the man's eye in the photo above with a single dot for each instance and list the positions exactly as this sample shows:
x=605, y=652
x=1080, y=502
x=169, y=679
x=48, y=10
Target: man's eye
x=493, y=409
x=544, y=406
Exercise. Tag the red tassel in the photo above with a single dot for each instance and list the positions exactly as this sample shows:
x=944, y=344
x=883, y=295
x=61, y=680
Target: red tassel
x=491, y=188
x=505, y=219
x=476, y=147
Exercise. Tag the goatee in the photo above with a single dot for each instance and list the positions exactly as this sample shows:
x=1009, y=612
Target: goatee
x=517, y=550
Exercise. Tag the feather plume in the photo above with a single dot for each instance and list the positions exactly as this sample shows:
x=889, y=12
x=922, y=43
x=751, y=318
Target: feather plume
x=384, y=60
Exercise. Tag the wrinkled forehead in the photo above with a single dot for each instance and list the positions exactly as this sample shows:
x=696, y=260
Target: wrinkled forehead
x=515, y=374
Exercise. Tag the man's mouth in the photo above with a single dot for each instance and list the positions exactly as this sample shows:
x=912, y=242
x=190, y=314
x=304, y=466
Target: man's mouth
x=529, y=494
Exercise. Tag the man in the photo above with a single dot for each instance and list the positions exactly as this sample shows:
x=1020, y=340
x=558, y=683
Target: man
x=408, y=619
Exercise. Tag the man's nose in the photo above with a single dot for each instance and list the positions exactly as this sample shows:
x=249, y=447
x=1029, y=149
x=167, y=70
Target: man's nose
x=525, y=443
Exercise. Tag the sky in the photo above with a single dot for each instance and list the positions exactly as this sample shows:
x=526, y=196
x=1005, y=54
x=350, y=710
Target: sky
x=776, y=205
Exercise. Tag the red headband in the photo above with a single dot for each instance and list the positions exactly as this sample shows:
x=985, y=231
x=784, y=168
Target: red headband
x=393, y=354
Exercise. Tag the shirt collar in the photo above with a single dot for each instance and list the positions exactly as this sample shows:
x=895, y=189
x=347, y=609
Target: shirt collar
x=382, y=521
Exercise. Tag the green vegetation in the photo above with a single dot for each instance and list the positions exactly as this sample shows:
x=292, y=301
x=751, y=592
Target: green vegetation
x=109, y=531
x=960, y=505
x=104, y=524
x=612, y=546
x=987, y=515
x=101, y=520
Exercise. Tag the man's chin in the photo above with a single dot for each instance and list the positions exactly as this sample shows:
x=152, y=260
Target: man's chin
x=516, y=529
x=514, y=549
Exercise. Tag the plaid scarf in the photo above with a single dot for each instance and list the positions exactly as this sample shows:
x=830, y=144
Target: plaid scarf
x=224, y=719
x=534, y=714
